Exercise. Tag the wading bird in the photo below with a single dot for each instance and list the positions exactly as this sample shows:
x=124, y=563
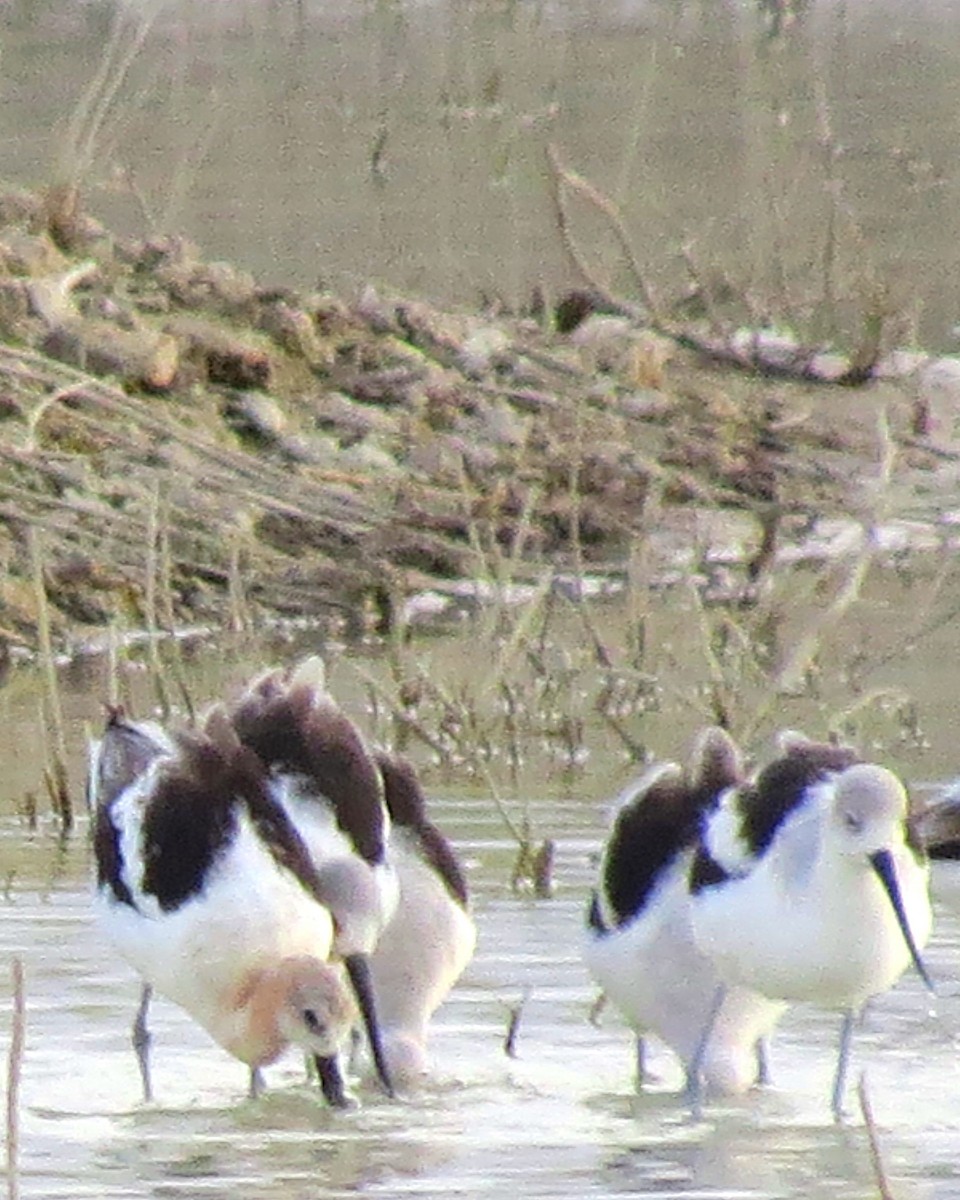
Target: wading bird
x=809, y=885
x=325, y=778
x=640, y=946
x=206, y=888
x=431, y=937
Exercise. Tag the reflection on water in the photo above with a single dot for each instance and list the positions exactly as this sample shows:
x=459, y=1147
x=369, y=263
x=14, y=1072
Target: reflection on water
x=405, y=143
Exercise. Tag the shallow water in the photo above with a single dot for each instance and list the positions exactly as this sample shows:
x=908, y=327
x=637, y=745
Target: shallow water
x=558, y=1120
x=404, y=143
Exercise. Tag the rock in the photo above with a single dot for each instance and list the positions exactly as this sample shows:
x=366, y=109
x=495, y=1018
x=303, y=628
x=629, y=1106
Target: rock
x=212, y=287
x=227, y=358
x=348, y=419
x=529, y=400
x=438, y=457
x=20, y=208
x=616, y=345
x=375, y=312
x=141, y=357
x=499, y=424
x=30, y=254
x=294, y=331
x=389, y=387
x=484, y=351
x=369, y=458
x=255, y=414
x=309, y=449
x=153, y=256
x=644, y=406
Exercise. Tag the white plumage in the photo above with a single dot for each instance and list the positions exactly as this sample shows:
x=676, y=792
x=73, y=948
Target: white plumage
x=431, y=937
x=808, y=886
x=640, y=946
x=204, y=887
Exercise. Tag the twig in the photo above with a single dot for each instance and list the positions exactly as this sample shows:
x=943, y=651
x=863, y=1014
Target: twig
x=542, y=869
x=513, y=1024
x=595, y=1015
x=14, y=1070
x=55, y=772
x=879, y=1172
x=150, y=601
x=88, y=118
x=592, y=194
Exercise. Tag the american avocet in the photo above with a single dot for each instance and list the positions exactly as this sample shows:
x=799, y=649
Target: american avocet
x=206, y=888
x=936, y=823
x=431, y=938
x=808, y=885
x=640, y=947
x=326, y=779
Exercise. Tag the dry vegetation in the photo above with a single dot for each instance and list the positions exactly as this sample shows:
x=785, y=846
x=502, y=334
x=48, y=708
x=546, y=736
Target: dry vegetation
x=182, y=447
x=189, y=447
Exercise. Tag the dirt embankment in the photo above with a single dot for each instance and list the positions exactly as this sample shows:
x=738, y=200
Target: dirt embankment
x=179, y=443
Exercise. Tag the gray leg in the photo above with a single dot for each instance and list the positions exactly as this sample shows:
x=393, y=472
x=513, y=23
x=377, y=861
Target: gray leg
x=356, y=1050
x=140, y=1036
x=256, y=1083
x=641, y=1062
x=763, y=1063
x=693, y=1092
x=843, y=1059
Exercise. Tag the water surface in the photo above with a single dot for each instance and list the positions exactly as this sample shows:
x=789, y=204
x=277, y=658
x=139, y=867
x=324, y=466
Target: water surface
x=405, y=143
x=558, y=1120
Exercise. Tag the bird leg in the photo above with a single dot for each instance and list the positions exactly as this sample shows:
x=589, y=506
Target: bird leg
x=693, y=1091
x=763, y=1063
x=642, y=1076
x=843, y=1059
x=256, y=1083
x=141, y=1038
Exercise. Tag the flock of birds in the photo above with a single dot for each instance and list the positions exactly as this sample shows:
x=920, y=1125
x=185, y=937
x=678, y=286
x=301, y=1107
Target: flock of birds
x=282, y=882
x=725, y=897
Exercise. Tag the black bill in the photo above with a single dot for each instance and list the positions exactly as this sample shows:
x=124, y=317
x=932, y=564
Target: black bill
x=882, y=863
x=331, y=1080
x=358, y=968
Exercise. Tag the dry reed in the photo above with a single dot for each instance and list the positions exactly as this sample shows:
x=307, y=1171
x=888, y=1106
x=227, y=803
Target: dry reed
x=14, y=1074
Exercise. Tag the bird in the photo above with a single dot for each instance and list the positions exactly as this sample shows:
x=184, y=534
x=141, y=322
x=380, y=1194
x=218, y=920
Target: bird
x=326, y=779
x=936, y=823
x=808, y=884
x=205, y=887
x=431, y=937
x=639, y=945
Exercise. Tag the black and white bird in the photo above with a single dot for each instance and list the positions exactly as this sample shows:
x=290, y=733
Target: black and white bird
x=431, y=937
x=325, y=778
x=640, y=946
x=809, y=884
x=206, y=888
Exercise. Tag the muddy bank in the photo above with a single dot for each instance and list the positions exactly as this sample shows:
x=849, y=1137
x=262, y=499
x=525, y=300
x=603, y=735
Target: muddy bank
x=181, y=444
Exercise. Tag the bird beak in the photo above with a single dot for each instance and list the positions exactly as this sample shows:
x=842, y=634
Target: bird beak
x=358, y=968
x=331, y=1080
x=882, y=863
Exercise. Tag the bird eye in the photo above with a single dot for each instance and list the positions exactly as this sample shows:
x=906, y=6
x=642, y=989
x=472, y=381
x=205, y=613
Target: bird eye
x=312, y=1021
x=853, y=822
